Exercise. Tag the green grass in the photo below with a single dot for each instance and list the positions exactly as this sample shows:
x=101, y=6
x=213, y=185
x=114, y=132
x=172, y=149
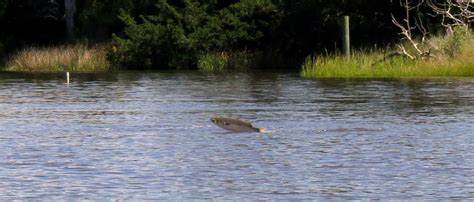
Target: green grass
x=370, y=64
x=74, y=58
x=221, y=61
x=240, y=60
x=213, y=62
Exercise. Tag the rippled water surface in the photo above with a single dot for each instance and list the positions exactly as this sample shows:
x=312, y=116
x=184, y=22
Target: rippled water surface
x=131, y=135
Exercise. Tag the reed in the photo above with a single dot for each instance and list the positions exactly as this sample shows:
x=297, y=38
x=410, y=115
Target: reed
x=371, y=64
x=221, y=61
x=241, y=61
x=213, y=61
x=74, y=58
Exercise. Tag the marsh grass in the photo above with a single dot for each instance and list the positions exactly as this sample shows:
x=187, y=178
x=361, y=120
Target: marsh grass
x=213, y=61
x=221, y=61
x=74, y=58
x=240, y=61
x=371, y=64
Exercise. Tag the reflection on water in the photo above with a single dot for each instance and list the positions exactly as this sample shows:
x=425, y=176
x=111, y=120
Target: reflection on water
x=147, y=135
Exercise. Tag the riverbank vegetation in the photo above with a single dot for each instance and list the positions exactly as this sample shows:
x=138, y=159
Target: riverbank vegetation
x=212, y=35
x=451, y=58
x=418, y=54
x=242, y=61
x=77, y=58
x=164, y=34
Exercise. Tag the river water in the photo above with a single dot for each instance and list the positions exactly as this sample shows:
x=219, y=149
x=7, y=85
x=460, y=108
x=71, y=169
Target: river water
x=147, y=135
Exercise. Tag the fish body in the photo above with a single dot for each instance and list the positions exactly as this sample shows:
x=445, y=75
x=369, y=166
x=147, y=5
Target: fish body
x=236, y=125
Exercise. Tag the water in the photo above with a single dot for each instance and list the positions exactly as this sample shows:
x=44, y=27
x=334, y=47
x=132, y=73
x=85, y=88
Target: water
x=133, y=135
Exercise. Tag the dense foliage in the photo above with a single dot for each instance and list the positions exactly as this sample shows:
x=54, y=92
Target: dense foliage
x=182, y=32
x=156, y=34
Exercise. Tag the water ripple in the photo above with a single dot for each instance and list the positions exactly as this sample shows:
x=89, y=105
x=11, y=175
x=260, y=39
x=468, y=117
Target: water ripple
x=148, y=136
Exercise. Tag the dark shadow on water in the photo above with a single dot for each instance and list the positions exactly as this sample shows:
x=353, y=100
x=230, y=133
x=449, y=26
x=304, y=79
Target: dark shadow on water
x=405, y=97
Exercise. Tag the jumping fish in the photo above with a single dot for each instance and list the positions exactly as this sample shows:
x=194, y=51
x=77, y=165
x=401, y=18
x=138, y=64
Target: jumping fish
x=236, y=125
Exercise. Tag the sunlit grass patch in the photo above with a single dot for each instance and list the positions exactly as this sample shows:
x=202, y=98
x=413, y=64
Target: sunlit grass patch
x=376, y=64
x=76, y=58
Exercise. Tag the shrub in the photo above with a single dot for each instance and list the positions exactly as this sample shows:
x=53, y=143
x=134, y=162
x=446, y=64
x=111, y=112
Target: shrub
x=455, y=41
x=181, y=34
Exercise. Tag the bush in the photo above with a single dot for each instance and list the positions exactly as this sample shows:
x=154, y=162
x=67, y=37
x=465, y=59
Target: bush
x=454, y=43
x=180, y=34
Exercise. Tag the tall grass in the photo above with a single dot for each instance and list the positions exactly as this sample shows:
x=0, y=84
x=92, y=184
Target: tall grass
x=373, y=64
x=213, y=61
x=240, y=60
x=76, y=58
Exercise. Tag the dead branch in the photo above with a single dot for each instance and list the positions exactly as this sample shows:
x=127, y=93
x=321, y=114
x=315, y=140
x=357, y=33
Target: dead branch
x=407, y=28
x=453, y=13
x=405, y=52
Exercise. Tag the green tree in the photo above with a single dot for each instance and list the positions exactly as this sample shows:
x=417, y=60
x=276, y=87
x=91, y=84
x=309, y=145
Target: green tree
x=178, y=33
x=31, y=22
x=98, y=19
x=3, y=5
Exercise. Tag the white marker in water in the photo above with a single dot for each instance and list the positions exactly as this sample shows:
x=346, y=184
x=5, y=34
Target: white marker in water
x=67, y=77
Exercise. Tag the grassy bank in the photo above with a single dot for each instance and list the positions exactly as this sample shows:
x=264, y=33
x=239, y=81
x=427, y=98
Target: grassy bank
x=75, y=58
x=372, y=64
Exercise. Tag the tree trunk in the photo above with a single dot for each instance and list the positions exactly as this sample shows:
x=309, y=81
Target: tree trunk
x=69, y=11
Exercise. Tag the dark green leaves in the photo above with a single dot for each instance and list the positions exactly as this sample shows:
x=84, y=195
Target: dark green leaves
x=177, y=34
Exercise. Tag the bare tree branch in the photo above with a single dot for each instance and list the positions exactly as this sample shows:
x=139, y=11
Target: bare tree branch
x=405, y=52
x=453, y=13
x=406, y=30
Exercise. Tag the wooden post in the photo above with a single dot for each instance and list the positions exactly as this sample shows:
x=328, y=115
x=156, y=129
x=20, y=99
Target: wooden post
x=67, y=77
x=346, y=39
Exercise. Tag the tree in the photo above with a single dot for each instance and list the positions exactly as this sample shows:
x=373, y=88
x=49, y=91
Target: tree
x=412, y=22
x=456, y=17
x=98, y=19
x=458, y=13
x=3, y=5
x=33, y=21
x=179, y=32
x=69, y=12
